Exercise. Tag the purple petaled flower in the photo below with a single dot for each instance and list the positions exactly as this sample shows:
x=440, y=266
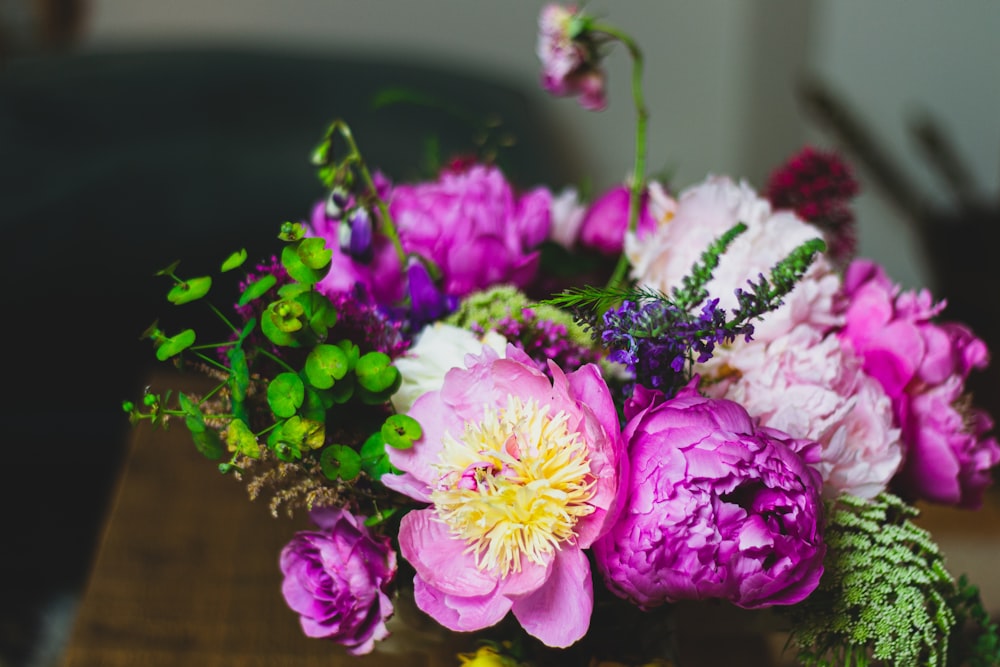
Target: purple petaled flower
x=427, y=303
x=606, y=220
x=569, y=55
x=337, y=580
x=355, y=233
x=716, y=508
x=543, y=340
x=923, y=366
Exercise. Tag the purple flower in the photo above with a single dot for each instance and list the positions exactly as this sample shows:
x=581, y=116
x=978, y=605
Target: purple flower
x=606, y=220
x=923, y=366
x=569, y=55
x=716, y=507
x=337, y=578
x=355, y=234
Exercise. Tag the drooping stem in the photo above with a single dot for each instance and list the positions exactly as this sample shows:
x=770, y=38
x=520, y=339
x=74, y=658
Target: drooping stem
x=389, y=227
x=638, y=184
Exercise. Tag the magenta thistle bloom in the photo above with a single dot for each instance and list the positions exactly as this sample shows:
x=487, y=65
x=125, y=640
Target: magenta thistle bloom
x=337, y=579
x=819, y=187
x=923, y=366
x=521, y=474
x=569, y=55
x=716, y=508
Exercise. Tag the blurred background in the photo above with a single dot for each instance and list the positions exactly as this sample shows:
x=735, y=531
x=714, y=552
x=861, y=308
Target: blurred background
x=136, y=132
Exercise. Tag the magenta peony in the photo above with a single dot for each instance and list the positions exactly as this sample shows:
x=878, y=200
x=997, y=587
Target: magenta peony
x=716, y=507
x=606, y=221
x=923, y=366
x=337, y=578
x=470, y=224
x=521, y=474
x=812, y=387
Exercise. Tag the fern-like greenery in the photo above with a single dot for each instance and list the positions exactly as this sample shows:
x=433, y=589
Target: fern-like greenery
x=885, y=597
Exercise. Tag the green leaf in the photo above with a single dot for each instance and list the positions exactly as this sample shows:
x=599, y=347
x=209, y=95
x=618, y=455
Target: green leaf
x=285, y=394
x=257, y=289
x=380, y=516
x=239, y=382
x=401, y=431
x=235, y=260
x=174, y=345
x=314, y=253
x=208, y=443
x=352, y=351
x=340, y=462
x=189, y=290
x=343, y=390
x=374, y=459
x=325, y=365
x=241, y=439
x=375, y=372
x=297, y=269
x=305, y=433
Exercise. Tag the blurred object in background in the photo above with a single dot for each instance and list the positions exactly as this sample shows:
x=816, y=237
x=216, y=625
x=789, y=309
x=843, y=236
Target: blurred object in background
x=29, y=27
x=959, y=237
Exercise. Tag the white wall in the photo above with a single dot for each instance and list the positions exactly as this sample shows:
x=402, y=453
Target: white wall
x=720, y=74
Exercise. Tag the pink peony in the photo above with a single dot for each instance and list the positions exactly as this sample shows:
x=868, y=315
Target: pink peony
x=923, y=366
x=570, y=62
x=470, y=223
x=521, y=474
x=716, y=507
x=812, y=387
x=661, y=259
x=336, y=578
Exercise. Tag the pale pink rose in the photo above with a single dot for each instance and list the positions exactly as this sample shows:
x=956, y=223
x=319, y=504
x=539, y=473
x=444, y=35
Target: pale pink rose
x=661, y=259
x=521, y=474
x=923, y=365
x=567, y=214
x=811, y=387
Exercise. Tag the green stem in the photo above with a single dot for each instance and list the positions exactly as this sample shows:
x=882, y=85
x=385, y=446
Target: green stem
x=638, y=183
x=389, y=225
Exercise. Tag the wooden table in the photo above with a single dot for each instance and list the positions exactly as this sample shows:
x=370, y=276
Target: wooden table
x=187, y=573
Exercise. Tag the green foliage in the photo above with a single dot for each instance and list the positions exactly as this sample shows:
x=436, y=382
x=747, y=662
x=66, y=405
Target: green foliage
x=885, y=594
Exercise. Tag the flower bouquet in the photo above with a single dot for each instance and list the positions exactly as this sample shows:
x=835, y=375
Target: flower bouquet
x=543, y=422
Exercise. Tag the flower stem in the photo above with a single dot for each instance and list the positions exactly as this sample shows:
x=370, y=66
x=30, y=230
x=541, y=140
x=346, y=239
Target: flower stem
x=387, y=222
x=638, y=183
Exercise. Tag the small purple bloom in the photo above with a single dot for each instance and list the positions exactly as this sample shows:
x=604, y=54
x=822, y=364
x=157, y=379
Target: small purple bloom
x=427, y=302
x=716, y=507
x=355, y=234
x=337, y=579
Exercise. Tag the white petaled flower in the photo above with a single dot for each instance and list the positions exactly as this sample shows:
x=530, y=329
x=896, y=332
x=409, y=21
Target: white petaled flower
x=438, y=348
x=567, y=215
x=813, y=387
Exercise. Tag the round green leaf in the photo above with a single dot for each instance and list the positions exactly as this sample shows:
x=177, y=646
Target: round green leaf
x=304, y=433
x=340, y=462
x=401, y=431
x=175, y=344
x=285, y=394
x=375, y=372
x=352, y=351
x=374, y=460
x=314, y=253
x=291, y=231
x=208, y=443
x=325, y=365
x=189, y=290
x=297, y=269
x=235, y=260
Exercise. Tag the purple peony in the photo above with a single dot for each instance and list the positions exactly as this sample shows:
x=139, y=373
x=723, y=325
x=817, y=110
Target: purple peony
x=716, y=507
x=336, y=579
x=923, y=365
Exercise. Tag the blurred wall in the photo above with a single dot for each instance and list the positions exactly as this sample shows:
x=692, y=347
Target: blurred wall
x=720, y=76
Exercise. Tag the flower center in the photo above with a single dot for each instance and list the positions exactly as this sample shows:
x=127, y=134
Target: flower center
x=514, y=485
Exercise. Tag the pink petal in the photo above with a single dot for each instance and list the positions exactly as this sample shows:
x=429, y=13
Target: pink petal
x=559, y=612
x=461, y=614
x=439, y=558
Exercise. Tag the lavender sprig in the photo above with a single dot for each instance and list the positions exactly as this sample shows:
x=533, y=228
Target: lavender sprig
x=660, y=338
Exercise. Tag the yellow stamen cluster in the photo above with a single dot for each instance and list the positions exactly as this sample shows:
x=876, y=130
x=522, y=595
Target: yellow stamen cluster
x=514, y=485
